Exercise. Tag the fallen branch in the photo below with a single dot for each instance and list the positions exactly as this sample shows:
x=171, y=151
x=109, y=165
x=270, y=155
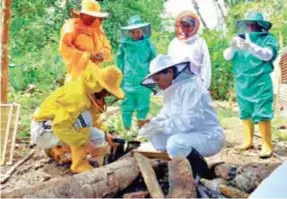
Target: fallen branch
x=14, y=168
x=181, y=182
x=149, y=176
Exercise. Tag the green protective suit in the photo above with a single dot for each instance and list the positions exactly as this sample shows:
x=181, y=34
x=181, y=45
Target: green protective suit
x=133, y=58
x=252, y=80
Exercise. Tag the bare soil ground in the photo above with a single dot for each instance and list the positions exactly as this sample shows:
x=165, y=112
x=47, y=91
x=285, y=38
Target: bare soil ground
x=41, y=168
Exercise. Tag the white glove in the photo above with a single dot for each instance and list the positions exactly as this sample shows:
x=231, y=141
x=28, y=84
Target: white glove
x=152, y=128
x=243, y=44
x=159, y=118
x=233, y=43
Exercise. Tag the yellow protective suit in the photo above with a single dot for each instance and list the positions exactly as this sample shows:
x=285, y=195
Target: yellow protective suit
x=65, y=105
x=77, y=43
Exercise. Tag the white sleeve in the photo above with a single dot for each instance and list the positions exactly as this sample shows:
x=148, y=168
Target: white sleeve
x=206, y=66
x=228, y=53
x=265, y=54
x=192, y=113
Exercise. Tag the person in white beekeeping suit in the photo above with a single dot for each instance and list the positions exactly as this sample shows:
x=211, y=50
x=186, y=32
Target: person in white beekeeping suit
x=187, y=125
x=188, y=43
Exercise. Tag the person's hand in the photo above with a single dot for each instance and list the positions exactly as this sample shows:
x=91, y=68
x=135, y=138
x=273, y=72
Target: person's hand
x=233, y=43
x=92, y=149
x=97, y=57
x=243, y=44
x=143, y=122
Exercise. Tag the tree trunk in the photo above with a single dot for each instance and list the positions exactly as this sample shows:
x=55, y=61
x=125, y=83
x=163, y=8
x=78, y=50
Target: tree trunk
x=181, y=180
x=6, y=16
x=195, y=5
x=220, y=9
x=100, y=182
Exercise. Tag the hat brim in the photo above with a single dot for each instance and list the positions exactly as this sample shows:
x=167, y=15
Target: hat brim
x=118, y=92
x=264, y=24
x=136, y=26
x=148, y=80
x=95, y=14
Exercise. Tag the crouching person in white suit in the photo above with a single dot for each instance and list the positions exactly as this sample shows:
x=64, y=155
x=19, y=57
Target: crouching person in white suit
x=187, y=125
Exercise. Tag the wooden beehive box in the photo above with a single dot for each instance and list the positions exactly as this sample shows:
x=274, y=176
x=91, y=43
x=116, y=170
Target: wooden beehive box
x=8, y=130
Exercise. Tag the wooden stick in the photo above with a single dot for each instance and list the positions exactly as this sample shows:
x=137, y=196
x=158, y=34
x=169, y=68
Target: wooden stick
x=6, y=136
x=13, y=169
x=14, y=133
x=149, y=176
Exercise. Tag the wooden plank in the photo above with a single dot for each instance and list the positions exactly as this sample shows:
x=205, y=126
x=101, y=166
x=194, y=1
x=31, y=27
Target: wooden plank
x=149, y=151
x=149, y=176
x=154, y=154
x=181, y=182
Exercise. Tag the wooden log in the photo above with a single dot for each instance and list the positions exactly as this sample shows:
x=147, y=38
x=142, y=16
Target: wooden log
x=225, y=171
x=219, y=185
x=100, y=182
x=181, y=182
x=139, y=194
x=232, y=192
x=149, y=176
x=250, y=176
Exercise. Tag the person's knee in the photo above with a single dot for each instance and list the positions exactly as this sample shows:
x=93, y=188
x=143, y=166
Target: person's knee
x=97, y=136
x=177, y=147
x=159, y=143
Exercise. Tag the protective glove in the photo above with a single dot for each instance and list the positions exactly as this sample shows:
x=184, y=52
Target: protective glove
x=243, y=44
x=154, y=127
x=233, y=43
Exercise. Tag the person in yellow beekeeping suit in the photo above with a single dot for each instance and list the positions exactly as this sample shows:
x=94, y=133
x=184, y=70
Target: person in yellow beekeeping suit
x=66, y=117
x=83, y=40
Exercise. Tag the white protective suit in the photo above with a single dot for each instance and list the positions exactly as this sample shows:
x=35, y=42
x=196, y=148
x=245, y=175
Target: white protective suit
x=186, y=121
x=274, y=186
x=195, y=48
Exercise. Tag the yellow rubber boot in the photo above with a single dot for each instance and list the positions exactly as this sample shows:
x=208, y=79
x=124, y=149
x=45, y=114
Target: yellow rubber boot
x=265, y=131
x=79, y=162
x=248, y=135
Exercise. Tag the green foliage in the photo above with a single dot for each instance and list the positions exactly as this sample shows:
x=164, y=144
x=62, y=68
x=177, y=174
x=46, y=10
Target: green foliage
x=222, y=79
x=121, y=10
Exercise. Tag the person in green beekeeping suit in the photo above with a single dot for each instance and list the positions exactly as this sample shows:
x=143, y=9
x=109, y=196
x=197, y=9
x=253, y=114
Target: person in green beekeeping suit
x=252, y=53
x=133, y=58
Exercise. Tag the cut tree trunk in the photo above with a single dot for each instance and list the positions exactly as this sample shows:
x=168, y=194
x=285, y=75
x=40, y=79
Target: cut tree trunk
x=100, y=182
x=181, y=180
x=149, y=176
